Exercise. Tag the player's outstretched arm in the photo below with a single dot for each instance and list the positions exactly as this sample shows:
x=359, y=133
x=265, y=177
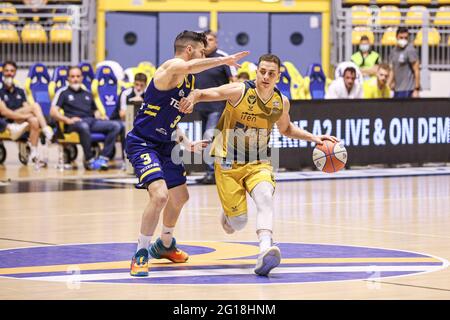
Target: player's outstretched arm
x=180, y=67
x=288, y=129
x=193, y=146
x=230, y=91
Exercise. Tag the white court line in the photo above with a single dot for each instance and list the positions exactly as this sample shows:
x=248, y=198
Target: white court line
x=235, y=271
x=316, y=175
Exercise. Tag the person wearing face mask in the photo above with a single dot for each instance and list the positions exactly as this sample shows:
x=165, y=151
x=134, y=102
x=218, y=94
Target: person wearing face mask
x=129, y=96
x=82, y=116
x=22, y=114
x=366, y=59
x=404, y=62
x=376, y=87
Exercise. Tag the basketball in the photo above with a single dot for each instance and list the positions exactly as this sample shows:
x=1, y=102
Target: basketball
x=330, y=156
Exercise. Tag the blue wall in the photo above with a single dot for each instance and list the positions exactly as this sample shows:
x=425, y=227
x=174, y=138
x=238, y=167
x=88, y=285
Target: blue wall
x=295, y=37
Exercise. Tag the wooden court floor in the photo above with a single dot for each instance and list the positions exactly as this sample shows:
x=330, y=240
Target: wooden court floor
x=331, y=224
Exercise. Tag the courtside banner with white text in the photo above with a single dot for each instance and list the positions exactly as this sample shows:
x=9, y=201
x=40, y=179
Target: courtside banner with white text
x=374, y=131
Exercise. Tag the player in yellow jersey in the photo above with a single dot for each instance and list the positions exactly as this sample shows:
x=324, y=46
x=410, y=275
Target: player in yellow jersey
x=377, y=87
x=241, y=153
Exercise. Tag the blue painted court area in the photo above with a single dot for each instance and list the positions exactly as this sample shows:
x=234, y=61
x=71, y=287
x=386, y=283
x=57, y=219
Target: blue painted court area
x=301, y=263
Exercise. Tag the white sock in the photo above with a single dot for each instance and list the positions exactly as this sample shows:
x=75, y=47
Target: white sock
x=143, y=242
x=167, y=235
x=33, y=152
x=262, y=194
x=265, y=240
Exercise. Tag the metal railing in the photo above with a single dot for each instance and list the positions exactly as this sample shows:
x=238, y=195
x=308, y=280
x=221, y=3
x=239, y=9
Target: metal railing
x=52, y=53
x=433, y=50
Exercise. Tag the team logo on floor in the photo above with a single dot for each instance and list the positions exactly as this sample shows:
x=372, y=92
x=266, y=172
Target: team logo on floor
x=213, y=263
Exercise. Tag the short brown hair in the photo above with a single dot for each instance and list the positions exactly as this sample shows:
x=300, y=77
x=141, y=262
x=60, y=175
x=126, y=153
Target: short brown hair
x=384, y=66
x=186, y=38
x=270, y=58
x=140, y=77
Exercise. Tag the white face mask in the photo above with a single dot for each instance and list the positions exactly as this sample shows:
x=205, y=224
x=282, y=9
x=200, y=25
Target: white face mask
x=364, y=47
x=402, y=43
x=8, y=81
x=75, y=86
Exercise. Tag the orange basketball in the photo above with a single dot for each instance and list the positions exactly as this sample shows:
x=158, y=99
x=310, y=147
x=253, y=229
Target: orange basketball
x=330, y=156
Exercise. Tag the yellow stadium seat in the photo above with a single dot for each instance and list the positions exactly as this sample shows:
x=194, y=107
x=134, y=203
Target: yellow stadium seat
x=448, y=42
x=433, y=37
x=8, y=33
x=62, y=19
x=33, y=33
x=361, y=15
x=443, y=16
x=388, y=1
x=61, y=33
x=389, y=37
x=358, y=32
x=427, y=2
x=389, y=15
x=443, y=2
x=356, y=1
x=8, y=12
x=146, y=68
x=248, y=67
x=414, y=15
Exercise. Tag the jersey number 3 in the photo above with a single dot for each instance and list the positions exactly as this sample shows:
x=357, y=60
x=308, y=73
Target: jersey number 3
x=174, y=123
x=147, y=159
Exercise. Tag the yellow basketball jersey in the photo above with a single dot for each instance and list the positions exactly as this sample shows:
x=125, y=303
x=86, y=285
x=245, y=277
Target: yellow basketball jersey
x=243, y=131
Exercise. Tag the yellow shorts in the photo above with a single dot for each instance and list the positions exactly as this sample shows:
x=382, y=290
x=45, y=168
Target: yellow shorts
x=235, y=180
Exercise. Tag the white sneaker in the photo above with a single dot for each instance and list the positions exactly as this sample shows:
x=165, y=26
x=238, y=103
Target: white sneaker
x=39, y=163
x=16, y=130
x=225, y=225
x=48, y=133
x=268, y=260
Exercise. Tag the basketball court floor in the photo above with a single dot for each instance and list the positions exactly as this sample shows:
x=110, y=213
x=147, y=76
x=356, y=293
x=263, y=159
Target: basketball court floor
x=363, y=234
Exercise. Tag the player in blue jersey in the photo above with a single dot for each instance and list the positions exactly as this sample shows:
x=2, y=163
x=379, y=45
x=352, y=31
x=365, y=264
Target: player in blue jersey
x=149, y=146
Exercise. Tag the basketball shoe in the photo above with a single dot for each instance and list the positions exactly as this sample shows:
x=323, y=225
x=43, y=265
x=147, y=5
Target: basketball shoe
x=268, y=260
x=159, y=251
x=139, y=264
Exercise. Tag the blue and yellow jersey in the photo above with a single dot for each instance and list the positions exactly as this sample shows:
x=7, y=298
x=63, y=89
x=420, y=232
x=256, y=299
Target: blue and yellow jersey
x=159, y=114
x=244, y=129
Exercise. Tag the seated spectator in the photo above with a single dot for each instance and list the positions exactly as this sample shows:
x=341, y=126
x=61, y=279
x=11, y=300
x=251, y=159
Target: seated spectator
x=366, y=59
x=345, y=87
x=16, y=129
x=19, y=110
x=376, y=87
x=341, y=67
x=404, y=62
x=130, y=95
x=82, y=116
x=243, y=76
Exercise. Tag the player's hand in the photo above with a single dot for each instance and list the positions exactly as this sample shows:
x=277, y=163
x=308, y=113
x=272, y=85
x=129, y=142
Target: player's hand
x=415, y=94
x=73, y=120
x=187, y=104
x=198, y=146
x=319, y=139
x=232, y=60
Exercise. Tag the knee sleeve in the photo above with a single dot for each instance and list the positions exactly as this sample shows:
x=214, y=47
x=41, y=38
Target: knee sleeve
x=262, y=194
x=238, y=222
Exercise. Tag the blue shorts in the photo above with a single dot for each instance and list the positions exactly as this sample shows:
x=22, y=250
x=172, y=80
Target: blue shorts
x=3, y=124
x=152, y=161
